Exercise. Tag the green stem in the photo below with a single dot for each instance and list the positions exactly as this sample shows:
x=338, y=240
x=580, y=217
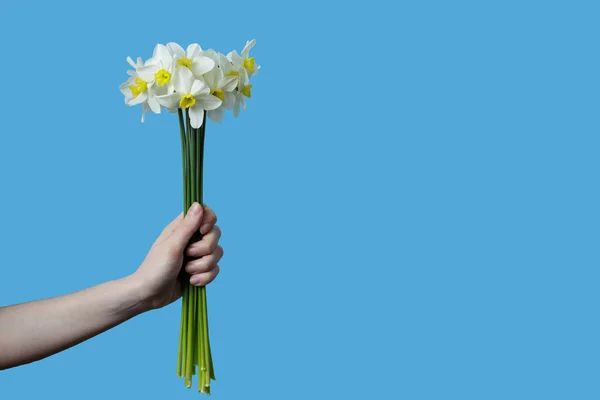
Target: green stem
x=199, y=342
x=201, y=159
x=194, y=343
x=184, y=159
x=194, y=329
x=181, y=326
x=193, y=158
x=204, y=306
x=206, y=382
x=185, y=308
x=190, y=164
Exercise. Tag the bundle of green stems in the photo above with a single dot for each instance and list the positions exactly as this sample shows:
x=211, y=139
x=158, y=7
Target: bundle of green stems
x=194, y=344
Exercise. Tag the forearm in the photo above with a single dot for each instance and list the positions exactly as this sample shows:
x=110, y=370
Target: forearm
x=31, y=331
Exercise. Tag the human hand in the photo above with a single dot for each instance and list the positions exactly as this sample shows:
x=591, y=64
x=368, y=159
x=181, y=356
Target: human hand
x=158, y=276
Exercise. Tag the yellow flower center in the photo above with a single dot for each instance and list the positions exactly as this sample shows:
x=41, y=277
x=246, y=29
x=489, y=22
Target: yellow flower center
x=246, y=91
x=218, y=93
x=139, y=87
x=185, y=62
x=187, y=101
x=162, y=77
x=249, y=64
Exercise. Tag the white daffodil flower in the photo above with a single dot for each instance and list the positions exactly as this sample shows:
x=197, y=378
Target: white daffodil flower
x=221, y=86
x=139, y=63
x=226, y=66
x=140, y=90
x=243, y=91
x=191, y=58
x=243, y=86
x=159, y=69
x=244, y=61
x=190, y=94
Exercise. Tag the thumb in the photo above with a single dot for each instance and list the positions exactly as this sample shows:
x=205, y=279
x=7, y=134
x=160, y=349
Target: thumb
x=188, y=226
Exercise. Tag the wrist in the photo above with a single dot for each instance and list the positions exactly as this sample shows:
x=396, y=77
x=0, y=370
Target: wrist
x=135, y=299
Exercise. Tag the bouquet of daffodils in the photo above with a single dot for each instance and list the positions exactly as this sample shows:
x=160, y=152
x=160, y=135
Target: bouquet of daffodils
x=194, y=84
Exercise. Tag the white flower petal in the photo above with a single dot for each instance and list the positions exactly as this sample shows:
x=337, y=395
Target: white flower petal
x=228, y=83
x=147, y=72
x=235, y=59
x=176, y=49
x=199, y=87
x=130, y=61
x=212, y=78
x=208, y=101
x=153, y=104
x=183, y=80
x=201, y=65
x=161, y=52
x=249, y=45
x=150, y=61
x=162, y=55
x=244, y=79
x=124, y=88
x=139, y=99
x=216, y=115
x=145, y=108
x=225, y=64
x=196, y=116
x=170, y=87
x=229, y=100
x=210, y=53
x=170, y=100
x=193, y=50
x=161, y=91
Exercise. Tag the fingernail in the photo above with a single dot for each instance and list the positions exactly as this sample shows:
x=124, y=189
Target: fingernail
x=194, y=209
x=194, y=280
x=204, y=228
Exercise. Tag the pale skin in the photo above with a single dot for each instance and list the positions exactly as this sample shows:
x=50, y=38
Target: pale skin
x=35, y=330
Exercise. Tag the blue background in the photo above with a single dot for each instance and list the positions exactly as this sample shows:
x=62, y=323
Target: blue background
x=409, y=204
